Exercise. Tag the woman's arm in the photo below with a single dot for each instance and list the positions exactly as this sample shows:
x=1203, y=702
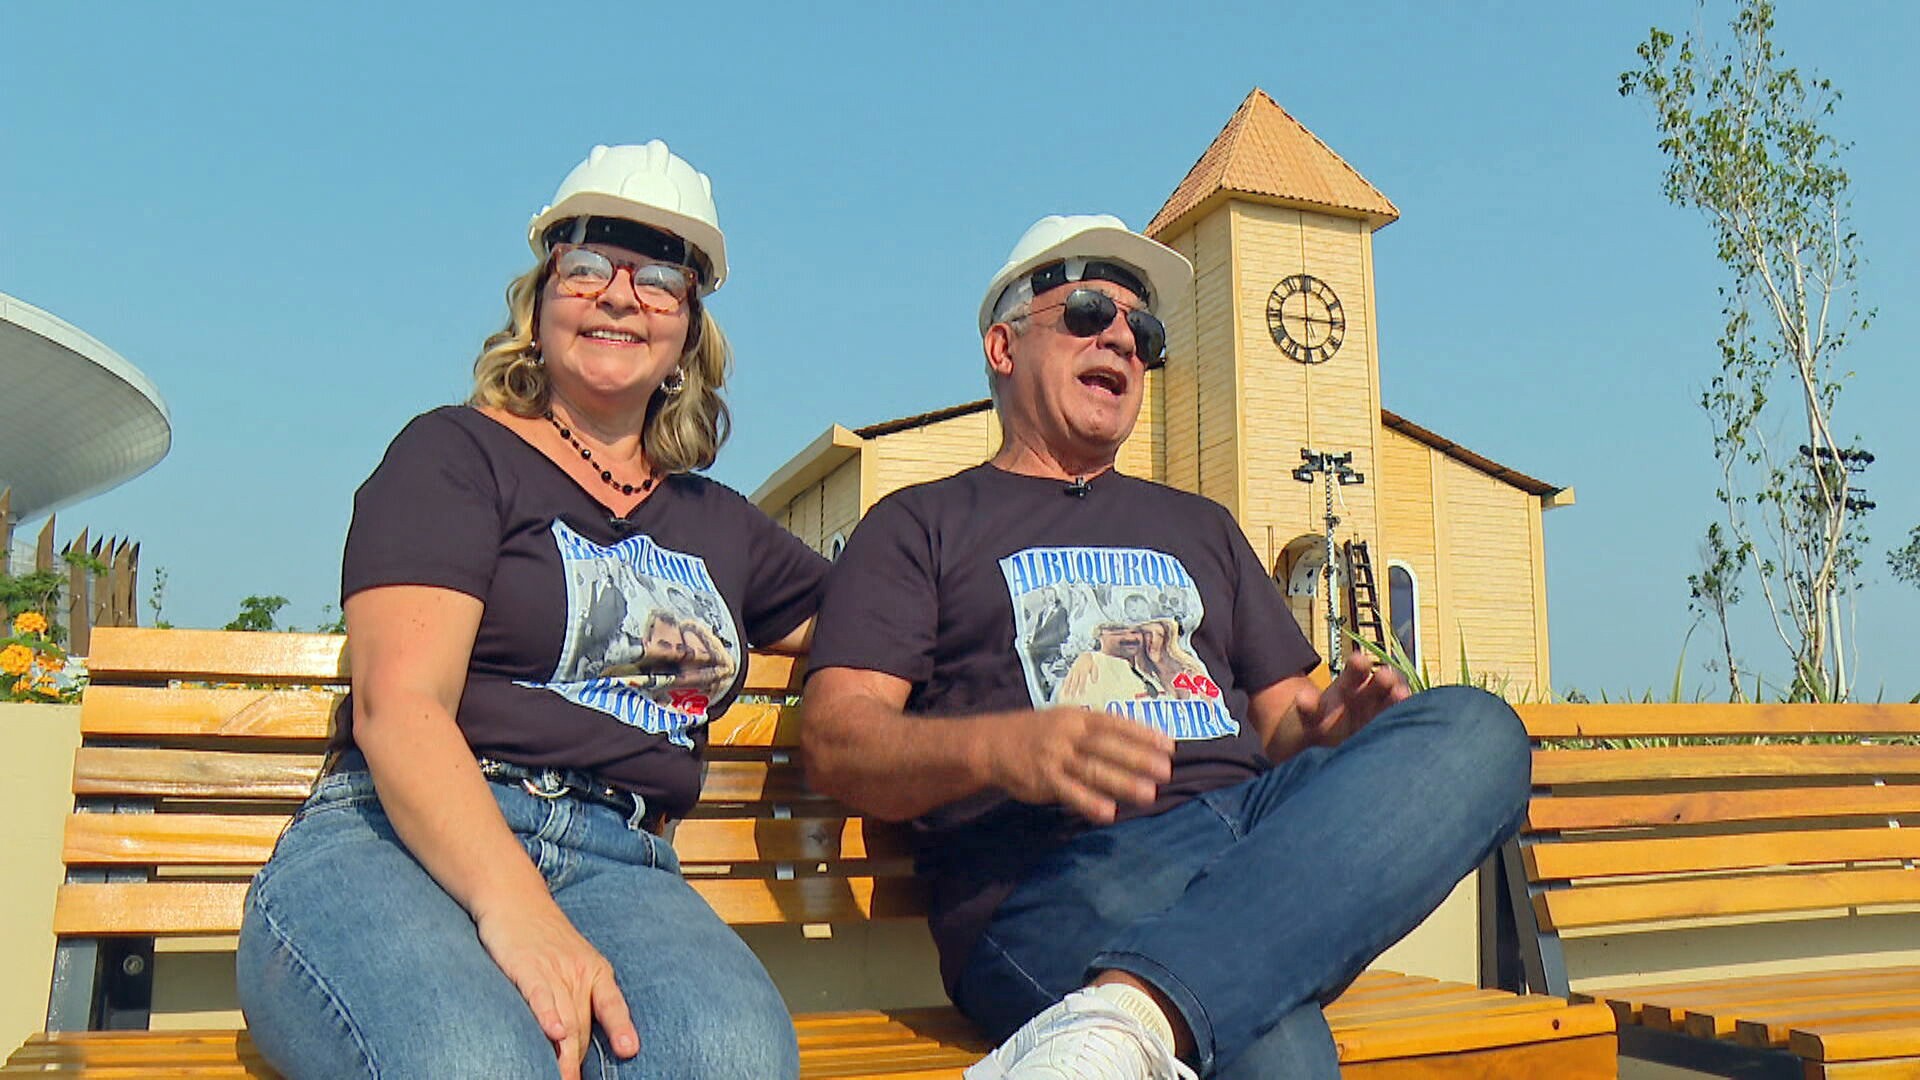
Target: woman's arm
x=796, y=642
x=410, y=646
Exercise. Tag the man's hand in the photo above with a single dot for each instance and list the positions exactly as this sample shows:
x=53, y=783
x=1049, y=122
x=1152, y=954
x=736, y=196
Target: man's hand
x=1363, y=690
x=566, y=982
x=1089, y=762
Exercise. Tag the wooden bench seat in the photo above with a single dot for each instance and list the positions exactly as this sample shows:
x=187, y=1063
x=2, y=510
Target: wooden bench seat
x=1762, y=821
x=196, y=746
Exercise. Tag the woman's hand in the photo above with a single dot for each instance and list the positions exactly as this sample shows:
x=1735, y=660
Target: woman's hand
x=566, y=982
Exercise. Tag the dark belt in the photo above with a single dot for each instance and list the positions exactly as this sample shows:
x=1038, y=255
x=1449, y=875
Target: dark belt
x=574, y=784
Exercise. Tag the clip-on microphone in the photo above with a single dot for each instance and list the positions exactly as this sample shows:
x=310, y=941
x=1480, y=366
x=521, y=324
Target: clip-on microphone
x=1078, y=488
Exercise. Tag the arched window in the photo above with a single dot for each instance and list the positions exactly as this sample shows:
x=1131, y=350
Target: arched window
x=1300, y=572
x=836, y=545
x=1403, y=606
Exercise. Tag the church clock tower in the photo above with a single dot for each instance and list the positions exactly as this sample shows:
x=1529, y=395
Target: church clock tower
x=1276, y=351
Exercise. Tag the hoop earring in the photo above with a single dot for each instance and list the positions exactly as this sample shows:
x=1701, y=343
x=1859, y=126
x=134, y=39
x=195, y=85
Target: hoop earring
x=675, y=382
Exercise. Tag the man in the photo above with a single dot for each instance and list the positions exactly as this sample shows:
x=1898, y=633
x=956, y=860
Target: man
x=1158, y=885
x=1110, y=671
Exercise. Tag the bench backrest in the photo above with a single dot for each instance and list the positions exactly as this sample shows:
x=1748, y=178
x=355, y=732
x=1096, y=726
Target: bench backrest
x=196, y=747
x=1655, y=817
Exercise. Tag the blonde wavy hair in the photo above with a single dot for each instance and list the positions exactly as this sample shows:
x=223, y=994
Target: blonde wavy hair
x=682, y=432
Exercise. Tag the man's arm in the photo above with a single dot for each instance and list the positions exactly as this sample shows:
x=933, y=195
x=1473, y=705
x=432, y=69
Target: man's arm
x=862, y=749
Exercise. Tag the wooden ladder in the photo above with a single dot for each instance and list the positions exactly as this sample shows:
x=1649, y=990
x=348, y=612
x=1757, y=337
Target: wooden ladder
x=1363, y=595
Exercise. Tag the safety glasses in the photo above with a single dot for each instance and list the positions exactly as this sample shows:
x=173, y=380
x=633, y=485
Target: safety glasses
x=1087, y=312
x=662, y=288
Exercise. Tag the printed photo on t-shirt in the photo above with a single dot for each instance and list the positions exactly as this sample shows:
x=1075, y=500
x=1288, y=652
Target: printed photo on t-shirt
x=1112, y=629
x=648, y=639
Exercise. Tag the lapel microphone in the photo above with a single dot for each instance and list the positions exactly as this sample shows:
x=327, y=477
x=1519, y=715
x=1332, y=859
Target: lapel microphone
x=621, y=526
x=1078, y=488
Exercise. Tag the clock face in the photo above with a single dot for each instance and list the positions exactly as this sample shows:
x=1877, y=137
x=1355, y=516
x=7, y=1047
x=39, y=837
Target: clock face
x=1305, y=318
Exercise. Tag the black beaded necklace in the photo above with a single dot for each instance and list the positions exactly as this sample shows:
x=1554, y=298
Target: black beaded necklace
x=587, y=456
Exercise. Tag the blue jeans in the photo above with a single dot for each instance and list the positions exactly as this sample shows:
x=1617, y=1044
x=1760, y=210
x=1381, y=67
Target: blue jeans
x=1251, y=906
x=354, y=962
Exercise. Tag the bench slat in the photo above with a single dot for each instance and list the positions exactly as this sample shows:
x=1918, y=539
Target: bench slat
x=1905, y=1068
x=132, y=655
x=1553, y=768
x=1592, y=1057
x=1518, y=1023
x=171, y=839
x=1761, y=1027
x=755, y=781
x=121, y=655
x=1716, y=1011
x=1658, y=720
x=1555, y=813
x=1632, y=998
x=1859, y=1040
x=907, y=1042
x=180, y=712
x=173, y=908
x=1610, y=905
x=248, y=839
x=198, y=712
x=1677, y=854
x=101, y=771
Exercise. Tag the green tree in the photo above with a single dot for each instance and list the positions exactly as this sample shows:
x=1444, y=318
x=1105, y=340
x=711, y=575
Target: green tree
x=1904, y=561
x=1745, y=146
x=1715, y=589
x=332, y=620
x=157, y=599
x=257, y=613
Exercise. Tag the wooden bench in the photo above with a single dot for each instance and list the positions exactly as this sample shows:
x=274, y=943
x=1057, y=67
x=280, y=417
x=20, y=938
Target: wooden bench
x=188, y=770
x=1667, y=833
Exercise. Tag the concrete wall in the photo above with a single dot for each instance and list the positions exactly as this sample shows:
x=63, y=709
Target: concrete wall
x=36, y=786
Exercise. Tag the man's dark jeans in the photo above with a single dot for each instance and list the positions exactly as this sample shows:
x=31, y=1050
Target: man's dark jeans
x=1251, y=906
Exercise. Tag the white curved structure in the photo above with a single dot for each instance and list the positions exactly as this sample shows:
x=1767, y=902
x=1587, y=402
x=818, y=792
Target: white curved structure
x=75, y=418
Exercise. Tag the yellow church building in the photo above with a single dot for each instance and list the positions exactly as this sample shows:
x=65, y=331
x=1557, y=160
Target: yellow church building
x=1274, y=357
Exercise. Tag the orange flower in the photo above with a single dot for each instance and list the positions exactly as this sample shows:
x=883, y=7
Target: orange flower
x=49, y=662
x=46, y=688
x=20, y=685
x=16, y=659
x=30, y=622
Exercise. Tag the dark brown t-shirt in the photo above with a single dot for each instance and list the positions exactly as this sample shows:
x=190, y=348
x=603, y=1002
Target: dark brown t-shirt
x=605, y=644
x=992, y=591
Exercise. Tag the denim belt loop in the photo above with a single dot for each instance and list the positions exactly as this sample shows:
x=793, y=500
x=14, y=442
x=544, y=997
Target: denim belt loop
x=637, y=821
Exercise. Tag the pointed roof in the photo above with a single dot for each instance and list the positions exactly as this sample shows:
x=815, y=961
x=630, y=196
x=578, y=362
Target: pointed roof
x=1265, y=153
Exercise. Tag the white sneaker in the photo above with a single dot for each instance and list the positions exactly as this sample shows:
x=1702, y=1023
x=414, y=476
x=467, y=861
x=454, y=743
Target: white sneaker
x=1085, y=1036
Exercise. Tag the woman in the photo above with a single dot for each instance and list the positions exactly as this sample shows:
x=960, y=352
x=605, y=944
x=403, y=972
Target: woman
x=480, y=885
x=1164, y=661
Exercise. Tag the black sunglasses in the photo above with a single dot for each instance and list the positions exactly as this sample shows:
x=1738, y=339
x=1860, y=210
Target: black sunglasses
x=1087, y=312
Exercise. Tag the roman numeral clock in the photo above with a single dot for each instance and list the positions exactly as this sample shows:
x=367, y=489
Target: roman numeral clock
x=1305, y=318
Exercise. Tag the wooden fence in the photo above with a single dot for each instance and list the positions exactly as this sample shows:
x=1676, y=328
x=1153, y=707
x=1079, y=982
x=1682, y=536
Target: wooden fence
x=101, y=590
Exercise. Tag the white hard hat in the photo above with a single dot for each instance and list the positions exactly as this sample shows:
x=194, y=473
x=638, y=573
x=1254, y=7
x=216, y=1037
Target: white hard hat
x=1102, y=237
x=649, y=184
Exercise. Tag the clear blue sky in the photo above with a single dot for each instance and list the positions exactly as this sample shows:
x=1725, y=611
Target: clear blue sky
x=298, y=220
